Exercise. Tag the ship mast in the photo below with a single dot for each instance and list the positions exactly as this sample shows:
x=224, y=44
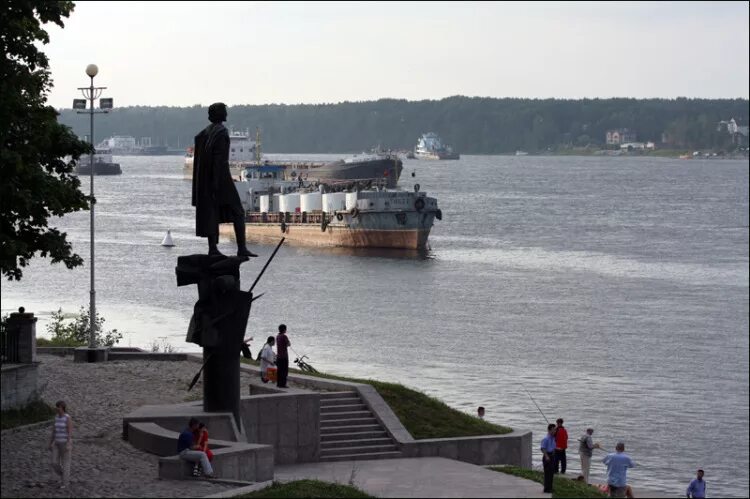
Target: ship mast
x=257, y=145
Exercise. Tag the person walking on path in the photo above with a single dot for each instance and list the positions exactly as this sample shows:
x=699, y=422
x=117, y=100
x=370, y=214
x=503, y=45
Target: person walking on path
x=282, y=356
x=267, y=358
x=586, y=451
x=561, y=444
x=617, y=470
x=548, y=457
x=61, y=443
x=697, y=487
x=188, y=450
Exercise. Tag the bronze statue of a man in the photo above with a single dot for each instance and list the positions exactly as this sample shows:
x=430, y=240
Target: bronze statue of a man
x=214, y=196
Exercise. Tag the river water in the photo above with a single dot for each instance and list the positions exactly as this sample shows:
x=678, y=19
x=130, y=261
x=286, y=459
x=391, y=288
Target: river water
x=614, y=290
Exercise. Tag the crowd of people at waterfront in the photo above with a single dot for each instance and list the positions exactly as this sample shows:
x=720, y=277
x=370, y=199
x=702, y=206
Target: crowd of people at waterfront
x=554, y=461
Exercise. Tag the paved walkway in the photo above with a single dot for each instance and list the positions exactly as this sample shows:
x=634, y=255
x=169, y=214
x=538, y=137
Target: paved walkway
x=415, y=477
x=103, y=465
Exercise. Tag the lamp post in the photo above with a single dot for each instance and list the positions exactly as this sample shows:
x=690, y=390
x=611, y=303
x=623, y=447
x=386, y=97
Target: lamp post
x=90, y=93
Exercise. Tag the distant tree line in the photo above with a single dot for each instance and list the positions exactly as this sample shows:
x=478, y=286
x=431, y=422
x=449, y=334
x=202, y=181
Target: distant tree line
x=472, y=125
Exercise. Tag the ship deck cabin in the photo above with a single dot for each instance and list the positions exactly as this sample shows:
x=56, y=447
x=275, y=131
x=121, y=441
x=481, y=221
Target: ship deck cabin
x=256, y=172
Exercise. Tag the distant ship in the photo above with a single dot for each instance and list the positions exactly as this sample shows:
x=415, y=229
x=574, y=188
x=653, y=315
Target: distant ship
x=521, y=153
x=125, y=145
x=103, y=164
x=339, y=215
x=245, y=152
x=430, y=146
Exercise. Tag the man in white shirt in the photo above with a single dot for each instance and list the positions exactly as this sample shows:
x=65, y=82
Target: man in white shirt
x=267, y=358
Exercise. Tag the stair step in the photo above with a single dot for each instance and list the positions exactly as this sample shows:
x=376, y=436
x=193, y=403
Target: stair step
x=334, y=437
x=361, y=457
x=344, y=415
x=361, y=442
x=362, y=449
x=342, y=408
x=328, y=423
x=338, y=402
x=343, y=429
x=337, y=395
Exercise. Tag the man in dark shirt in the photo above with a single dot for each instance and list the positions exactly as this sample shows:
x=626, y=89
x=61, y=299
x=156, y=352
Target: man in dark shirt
x=188, y=451
x=282, y=357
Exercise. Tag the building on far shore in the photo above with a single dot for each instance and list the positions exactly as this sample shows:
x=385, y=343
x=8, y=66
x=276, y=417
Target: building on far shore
x=620, y=136
x=737, y=128
x=637, y=146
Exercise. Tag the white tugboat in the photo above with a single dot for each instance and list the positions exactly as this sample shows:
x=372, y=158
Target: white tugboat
x=430, y=146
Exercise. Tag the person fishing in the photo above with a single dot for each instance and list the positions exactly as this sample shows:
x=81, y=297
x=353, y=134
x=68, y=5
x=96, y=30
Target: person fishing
x=282, y=356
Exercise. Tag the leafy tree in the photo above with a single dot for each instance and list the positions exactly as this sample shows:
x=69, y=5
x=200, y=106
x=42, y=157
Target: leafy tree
x=75, y=332
x=36, y=179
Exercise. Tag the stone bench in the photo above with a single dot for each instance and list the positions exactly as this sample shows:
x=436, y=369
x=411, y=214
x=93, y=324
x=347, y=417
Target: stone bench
x=232, y=460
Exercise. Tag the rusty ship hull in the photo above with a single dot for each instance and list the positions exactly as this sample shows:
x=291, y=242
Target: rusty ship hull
x=395, y=230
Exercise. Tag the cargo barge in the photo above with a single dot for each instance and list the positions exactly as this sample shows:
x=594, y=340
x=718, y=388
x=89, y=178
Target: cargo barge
x=245, y=152
x=353, y=217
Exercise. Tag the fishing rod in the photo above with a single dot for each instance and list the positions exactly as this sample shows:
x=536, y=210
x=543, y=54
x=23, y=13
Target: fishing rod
x=266, y=265
x=534, y=401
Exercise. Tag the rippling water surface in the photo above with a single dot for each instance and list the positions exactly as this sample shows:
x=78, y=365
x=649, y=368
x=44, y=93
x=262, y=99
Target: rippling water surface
x=614, y=290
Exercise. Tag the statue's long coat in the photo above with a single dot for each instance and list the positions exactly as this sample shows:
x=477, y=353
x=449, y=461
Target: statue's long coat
x=214, y=196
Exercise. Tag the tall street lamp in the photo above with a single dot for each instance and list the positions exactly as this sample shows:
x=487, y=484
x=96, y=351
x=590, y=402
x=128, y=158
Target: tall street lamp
x=91, y=92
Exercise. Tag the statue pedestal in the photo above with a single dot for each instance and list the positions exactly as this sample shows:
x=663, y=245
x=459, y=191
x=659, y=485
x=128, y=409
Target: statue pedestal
x=86, y=354
x=218, y=325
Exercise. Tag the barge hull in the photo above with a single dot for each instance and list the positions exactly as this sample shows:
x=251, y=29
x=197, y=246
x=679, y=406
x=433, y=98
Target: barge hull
x=335, y=235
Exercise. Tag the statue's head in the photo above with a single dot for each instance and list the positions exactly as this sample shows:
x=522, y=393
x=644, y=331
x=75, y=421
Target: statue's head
x=217, y=112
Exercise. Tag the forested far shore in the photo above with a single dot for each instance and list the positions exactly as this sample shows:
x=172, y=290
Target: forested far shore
x=471, y=125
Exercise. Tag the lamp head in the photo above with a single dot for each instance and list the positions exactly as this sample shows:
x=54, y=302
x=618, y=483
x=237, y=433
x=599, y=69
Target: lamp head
x=92, y=70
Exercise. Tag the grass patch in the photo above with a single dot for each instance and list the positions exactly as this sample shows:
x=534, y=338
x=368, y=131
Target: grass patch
x=308, y=488
x=32, y=413
x=561, y=487
x=422, y=415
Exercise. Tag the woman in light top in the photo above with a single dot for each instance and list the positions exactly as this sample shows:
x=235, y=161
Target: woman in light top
x=267, y=358
x=61, y=443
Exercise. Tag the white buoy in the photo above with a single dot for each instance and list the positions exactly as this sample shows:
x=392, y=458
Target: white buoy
x=168, y=240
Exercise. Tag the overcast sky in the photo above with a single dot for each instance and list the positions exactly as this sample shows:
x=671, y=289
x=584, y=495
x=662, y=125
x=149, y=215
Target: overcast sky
x=185, y=53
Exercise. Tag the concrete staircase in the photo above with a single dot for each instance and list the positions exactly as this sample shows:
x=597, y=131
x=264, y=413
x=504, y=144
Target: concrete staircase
x=349, y=430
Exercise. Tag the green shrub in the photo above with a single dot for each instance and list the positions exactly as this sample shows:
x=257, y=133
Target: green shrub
x=32, y=413
x=74, y=331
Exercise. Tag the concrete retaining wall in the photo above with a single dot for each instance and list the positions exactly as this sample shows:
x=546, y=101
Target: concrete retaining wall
x=118, y=353
x=232, y=460
x=175, y=418
x=18, y=385
x=288, y=422
x=115, y=355
x=512, y=448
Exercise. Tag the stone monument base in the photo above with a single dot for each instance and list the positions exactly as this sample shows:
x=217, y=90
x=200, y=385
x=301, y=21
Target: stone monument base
x=86, y=354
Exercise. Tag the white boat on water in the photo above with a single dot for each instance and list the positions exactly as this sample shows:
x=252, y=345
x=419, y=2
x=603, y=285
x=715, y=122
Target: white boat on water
x=430, y=146
x=521, y=153
x=243, y=151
